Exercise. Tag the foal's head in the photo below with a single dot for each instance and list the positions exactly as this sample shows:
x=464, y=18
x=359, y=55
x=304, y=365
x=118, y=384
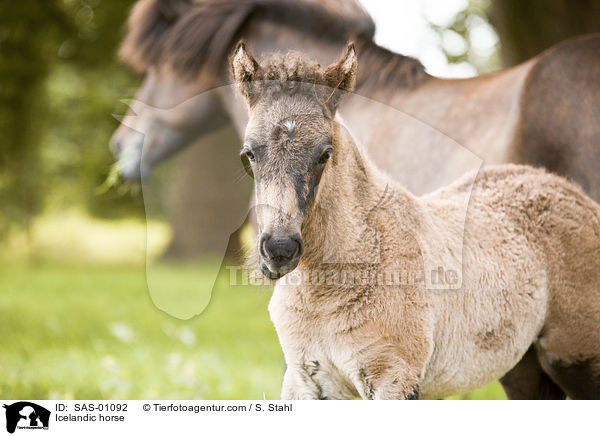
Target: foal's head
x=289, y=144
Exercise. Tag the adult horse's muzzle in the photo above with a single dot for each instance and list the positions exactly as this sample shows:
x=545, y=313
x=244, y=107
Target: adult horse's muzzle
x=129, y=156
x=279, y=254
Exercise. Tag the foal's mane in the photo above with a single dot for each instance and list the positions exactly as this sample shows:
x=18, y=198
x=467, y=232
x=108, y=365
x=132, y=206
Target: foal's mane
x=284, y=70
x=192, y=35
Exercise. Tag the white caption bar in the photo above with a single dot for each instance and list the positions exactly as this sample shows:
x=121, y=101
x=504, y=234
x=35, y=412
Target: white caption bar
x=23, y=417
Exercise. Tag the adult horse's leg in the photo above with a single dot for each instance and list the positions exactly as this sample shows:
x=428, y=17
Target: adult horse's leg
x=527, y=381
x=580, y=379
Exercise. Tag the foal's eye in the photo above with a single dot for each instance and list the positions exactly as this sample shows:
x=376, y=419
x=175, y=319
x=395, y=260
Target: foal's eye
x=248, y=154
x=326, y=155
x=247, y=160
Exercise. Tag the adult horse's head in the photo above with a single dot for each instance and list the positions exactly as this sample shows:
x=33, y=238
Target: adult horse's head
x=290, y=143
x=182, y=47
x=170, y=108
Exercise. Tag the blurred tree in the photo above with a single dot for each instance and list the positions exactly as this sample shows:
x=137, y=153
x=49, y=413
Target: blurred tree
x=28, y=32
x=526, y=28
x=59, y=81
x=469, y=38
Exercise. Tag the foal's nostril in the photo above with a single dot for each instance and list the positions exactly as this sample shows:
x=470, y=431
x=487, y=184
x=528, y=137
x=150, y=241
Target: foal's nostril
x=299, y=244
x=281, y=249
x=263, y=243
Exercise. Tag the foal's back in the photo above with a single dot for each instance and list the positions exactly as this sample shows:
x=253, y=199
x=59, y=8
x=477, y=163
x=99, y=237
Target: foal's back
x=560, y=228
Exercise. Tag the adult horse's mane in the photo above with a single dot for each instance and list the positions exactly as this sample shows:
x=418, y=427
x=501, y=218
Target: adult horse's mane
x=192, y=35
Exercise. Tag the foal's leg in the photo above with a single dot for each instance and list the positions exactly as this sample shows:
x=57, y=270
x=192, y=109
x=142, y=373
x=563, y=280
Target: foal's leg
x=298, y=384
x=386, y=378
x=527, y=381
x=392, y=385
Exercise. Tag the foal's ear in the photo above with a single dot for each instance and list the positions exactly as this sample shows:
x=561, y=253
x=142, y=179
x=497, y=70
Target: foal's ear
x=341, y=76
x=244, y=68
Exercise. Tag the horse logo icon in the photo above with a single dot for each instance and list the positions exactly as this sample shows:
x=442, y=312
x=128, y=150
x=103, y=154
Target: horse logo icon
x=26, y=415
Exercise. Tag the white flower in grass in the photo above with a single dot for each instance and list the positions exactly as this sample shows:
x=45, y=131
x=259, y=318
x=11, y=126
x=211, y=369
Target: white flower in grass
x=186, y=336
x=122, y=332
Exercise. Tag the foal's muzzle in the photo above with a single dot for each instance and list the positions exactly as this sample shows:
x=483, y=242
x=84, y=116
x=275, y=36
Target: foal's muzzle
x=279, y=254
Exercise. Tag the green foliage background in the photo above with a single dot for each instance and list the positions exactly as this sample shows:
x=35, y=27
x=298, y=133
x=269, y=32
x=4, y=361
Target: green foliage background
x=60, y=81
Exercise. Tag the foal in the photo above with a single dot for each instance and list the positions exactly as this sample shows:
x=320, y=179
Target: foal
x=527, y=304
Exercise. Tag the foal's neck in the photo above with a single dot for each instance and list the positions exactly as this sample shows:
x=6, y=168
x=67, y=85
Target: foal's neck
x=353, y=195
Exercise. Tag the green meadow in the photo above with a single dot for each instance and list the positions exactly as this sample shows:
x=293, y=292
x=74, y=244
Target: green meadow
x=88, y=328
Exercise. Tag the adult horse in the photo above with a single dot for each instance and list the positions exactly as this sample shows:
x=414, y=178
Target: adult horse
x=545, y=112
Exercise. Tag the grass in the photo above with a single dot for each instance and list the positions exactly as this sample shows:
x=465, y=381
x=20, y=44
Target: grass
x=90, y=332
x=86, y=332
x=73, y=236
